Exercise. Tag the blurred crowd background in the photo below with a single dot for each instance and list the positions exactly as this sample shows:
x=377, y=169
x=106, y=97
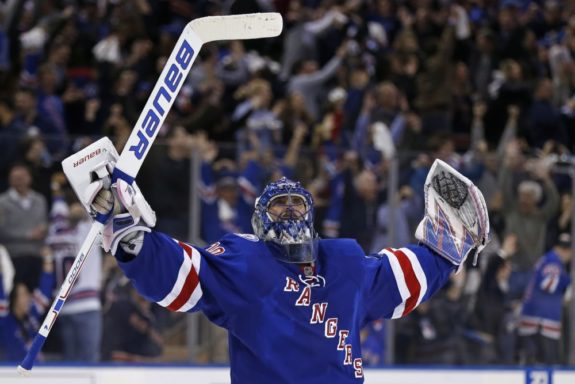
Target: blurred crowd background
x=355, y=99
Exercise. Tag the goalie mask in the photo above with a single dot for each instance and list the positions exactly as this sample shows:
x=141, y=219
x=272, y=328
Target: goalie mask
x=283, y=217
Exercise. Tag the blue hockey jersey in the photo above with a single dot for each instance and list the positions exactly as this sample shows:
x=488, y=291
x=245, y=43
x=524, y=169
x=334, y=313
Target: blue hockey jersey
x=287, y=323
x=543, y=301
x=15, y=336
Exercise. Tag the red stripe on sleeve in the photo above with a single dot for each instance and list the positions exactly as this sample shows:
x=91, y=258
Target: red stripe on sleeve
x=410, y=280
x=189, y=286
x=186, y=247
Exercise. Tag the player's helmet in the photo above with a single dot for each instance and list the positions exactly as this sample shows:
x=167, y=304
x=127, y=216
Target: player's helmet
x=283, y=217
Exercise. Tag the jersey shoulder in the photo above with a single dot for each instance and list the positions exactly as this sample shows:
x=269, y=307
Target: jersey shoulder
x=235, y=244
x=348, y=244
x=344, y=248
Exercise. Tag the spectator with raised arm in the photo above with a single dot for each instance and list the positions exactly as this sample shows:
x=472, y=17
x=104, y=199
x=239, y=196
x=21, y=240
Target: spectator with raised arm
x=224, y=191
x=530, y=200
x=309, y=81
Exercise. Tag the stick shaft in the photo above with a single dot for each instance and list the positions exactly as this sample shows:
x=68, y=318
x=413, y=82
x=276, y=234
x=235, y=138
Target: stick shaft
x=137, y=147
x=60, y=299
x=148, y=125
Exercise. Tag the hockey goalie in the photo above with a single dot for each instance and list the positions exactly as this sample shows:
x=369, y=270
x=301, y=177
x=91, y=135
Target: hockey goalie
x=293, y=303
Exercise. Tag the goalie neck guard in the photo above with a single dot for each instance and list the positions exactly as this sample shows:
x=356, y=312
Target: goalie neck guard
x=283, y=218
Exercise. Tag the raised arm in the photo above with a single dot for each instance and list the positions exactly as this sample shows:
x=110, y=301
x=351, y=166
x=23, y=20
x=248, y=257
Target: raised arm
x=455, y=226
x=398, y=280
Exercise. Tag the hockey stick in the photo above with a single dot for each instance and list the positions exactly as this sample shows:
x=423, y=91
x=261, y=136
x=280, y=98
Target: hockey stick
x=159, y=103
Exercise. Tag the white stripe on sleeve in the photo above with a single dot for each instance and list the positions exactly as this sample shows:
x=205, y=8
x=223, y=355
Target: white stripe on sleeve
x=418, y=273
x=400, y=281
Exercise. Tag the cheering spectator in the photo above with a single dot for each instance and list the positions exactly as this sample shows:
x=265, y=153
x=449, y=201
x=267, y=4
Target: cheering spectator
x=524, y=216
x=309, y=81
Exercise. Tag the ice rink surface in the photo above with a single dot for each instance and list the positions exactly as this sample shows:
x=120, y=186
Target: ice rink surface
x=169, y=374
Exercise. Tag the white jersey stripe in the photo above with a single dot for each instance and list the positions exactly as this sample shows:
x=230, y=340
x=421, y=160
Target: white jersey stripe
x=197, y=294
x=418, y=273
x=400, y=281
x=196, y=257
x=183, y=273
x=189, y=262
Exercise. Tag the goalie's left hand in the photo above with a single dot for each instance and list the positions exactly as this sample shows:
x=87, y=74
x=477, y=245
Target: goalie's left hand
x=456, y=222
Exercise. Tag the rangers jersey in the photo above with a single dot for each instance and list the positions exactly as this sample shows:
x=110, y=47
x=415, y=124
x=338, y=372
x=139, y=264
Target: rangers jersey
x=17, y=335
x=65, y=241
x=287, y=323
x=543, y=301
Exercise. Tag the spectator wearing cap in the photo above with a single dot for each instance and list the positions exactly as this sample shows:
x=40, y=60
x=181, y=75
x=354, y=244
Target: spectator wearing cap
x=540, y=324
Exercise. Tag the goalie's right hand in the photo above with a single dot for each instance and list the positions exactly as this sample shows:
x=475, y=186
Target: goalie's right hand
x=130, y=215
x=103, y=202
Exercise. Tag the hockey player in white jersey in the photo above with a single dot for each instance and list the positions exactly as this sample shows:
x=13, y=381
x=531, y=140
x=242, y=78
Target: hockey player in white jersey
x=293, y=303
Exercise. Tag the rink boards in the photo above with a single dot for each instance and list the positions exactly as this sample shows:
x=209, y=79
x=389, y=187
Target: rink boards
x=220, y=375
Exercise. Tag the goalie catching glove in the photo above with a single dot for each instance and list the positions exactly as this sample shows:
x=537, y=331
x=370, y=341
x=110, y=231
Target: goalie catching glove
x=456, y=222
x=131, y=215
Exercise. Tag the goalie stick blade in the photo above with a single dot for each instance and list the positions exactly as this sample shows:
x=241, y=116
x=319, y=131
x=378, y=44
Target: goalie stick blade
x=195, y=34
x=238, y=27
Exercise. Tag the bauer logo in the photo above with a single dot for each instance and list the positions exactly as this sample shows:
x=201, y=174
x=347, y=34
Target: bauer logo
x=162, y=98
x=83, y=159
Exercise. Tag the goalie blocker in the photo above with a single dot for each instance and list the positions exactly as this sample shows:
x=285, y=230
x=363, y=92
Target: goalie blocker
x=89, y=173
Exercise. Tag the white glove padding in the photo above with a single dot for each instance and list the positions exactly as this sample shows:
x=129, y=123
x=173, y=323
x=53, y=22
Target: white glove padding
x=125, y=228
x=97, y=195
x=456, y=221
